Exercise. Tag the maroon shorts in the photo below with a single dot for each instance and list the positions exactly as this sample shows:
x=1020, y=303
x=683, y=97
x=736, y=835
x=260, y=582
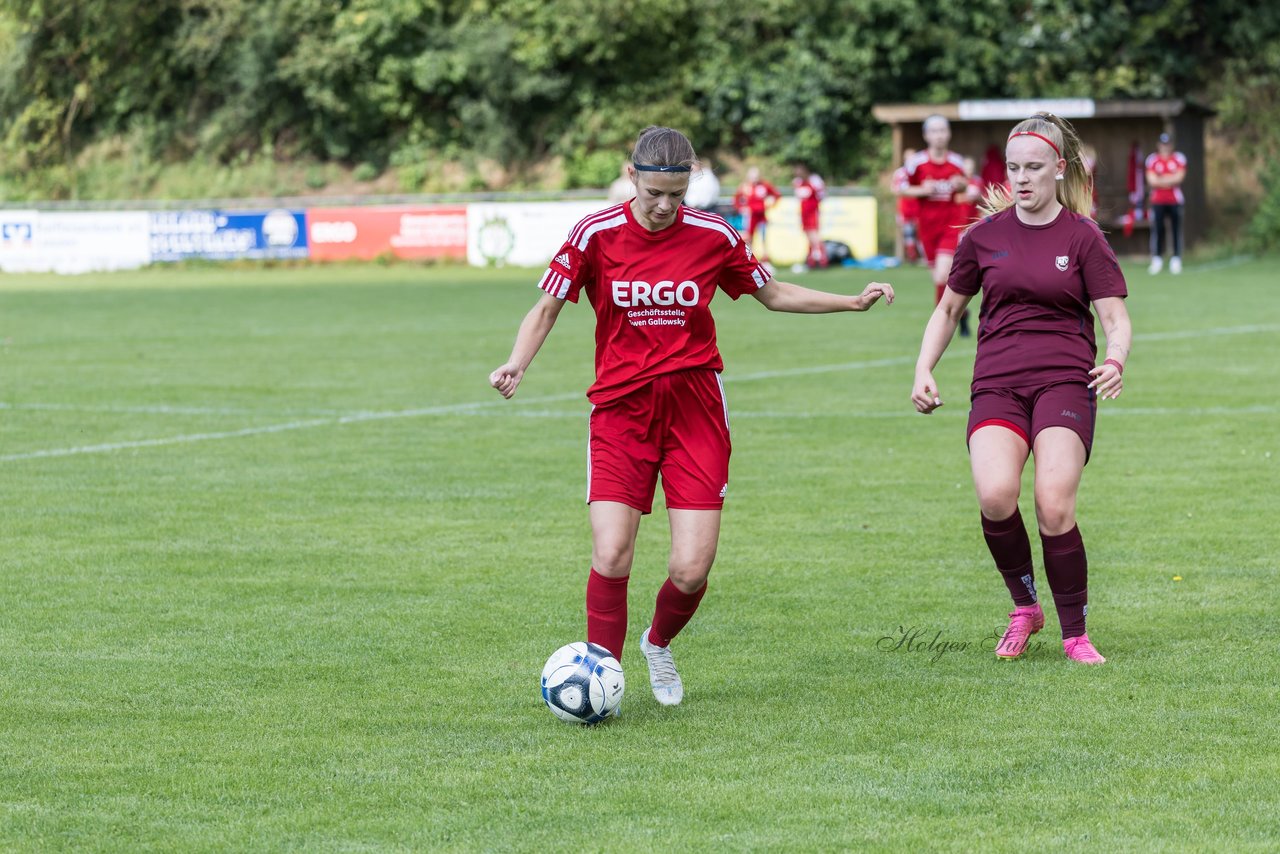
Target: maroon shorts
x=1027, y=411
x=676, y=426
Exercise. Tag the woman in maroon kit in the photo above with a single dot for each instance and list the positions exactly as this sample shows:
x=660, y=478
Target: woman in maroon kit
x=1040, y=262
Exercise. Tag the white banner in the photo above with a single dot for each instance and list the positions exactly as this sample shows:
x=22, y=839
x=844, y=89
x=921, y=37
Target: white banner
x=17, y=238
x=1068, y=108
x=81, y=242
x=523, y=234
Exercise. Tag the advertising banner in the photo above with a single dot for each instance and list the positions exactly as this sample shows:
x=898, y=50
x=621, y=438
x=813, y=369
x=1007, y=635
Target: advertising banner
x=226, y=235
x=526, y=234
x=409, y=232
x=522, y=234
x=17, y=239
x=848, y=219
x=78, y=242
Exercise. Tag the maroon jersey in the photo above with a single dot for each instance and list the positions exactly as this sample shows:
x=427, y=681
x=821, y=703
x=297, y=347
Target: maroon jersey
x=1037, y=281
x=651, y=291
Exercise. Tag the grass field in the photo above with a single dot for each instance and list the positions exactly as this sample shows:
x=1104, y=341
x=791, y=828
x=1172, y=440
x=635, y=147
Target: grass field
x=280, y=572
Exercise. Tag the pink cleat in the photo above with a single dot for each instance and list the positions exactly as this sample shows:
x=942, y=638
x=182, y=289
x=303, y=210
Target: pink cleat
x=1024, y=622
x=1081, y=649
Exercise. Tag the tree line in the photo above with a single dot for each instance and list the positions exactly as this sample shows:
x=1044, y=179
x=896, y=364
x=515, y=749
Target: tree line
x=402, y=82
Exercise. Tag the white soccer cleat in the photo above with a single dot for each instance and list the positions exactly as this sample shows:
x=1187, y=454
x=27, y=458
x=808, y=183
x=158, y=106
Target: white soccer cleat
x=1175, y=265
x=1157, y=264
x=663, y=678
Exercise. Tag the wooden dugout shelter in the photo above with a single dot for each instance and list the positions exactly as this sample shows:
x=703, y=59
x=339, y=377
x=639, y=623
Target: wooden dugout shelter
x=1109, y=127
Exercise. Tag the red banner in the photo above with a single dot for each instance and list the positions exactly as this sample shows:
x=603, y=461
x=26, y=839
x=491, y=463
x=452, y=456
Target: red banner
x=402, y=231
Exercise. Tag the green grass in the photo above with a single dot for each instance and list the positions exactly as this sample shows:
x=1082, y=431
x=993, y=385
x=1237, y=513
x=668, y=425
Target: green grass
x=328, y=637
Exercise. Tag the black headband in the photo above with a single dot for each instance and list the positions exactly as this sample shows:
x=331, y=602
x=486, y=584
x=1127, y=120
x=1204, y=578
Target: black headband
x=640, y=167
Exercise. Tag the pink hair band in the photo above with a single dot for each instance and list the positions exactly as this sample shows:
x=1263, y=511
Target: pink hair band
x=1037, y=136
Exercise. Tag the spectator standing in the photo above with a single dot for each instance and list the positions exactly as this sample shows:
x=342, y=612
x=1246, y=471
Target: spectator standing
x=1166, y=169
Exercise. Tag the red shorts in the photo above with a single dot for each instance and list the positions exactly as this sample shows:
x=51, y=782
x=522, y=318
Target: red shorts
x=755, y=221
x=1027, y=411
x=676, y=426
x=808, y=220
x=938, y=239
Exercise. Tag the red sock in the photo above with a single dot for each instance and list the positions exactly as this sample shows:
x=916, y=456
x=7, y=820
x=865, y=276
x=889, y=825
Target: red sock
x=607, y=611
x=1067, y=568
x=673, y=612
x=937, y=293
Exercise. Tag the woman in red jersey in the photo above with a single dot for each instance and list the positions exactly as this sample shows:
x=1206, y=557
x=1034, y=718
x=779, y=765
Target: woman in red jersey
x=754, y=198
x=1040, y=262
x=934, y=176
x=810, y=191
x=650, y=268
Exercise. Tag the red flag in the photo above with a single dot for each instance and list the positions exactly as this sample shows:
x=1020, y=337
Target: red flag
x=1136, y=187
x=993, y=171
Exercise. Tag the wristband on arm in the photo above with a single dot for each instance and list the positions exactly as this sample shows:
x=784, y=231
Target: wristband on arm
x=1119, y=367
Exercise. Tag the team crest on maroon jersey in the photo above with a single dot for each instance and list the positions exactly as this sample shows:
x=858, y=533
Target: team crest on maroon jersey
x=1061, y=262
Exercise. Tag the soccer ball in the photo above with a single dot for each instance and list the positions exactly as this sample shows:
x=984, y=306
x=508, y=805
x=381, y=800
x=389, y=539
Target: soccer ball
x=582, y=683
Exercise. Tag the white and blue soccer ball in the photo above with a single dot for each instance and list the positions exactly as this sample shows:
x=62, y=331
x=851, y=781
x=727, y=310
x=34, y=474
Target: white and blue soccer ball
x=582, y=683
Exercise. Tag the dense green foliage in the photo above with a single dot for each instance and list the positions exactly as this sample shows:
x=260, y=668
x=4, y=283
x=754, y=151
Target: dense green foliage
x=280, y=571
x=420, y=83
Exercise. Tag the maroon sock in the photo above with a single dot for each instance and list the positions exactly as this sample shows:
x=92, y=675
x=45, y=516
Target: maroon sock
x=1011, y=549
x=607, y=611
x=673, y=612
x=1067, y=569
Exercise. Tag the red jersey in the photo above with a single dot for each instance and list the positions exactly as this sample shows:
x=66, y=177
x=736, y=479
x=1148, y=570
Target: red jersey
x=1035, y=327
x=923, y=171
x=651, y=291
x=755, y=197
x=908, y=206
x=967, y=201
x=1176, y=162
x=810, y=191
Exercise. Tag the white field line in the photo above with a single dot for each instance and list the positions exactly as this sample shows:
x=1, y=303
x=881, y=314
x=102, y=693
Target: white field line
x=1207, y=333
x=1225, y=263
x=1107, y=410
x=472, y=408
x=452, y=409
x=154, y=409
x=820, y=369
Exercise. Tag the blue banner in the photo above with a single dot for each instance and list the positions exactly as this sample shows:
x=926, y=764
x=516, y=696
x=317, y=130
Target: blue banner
x=227, y=235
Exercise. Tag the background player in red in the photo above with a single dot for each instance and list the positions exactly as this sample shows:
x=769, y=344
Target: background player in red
x=1166, y=170
x=967, y=199
x=1040, y=262
x=810, y=190
x=908, y=211
x=934, y=176
x=649, y=268
x=753, y=200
